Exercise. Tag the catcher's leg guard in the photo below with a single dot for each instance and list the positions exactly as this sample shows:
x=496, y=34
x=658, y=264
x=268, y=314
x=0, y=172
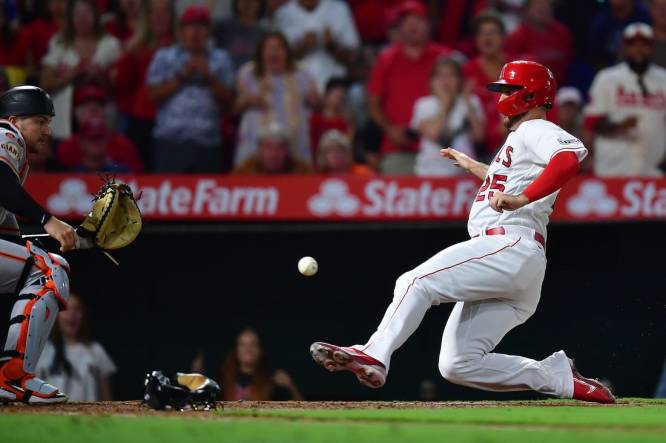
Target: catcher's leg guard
x=44, y=292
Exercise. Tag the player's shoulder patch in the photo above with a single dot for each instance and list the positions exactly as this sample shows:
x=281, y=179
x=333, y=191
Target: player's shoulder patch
x=12, y=149
x=567, y=139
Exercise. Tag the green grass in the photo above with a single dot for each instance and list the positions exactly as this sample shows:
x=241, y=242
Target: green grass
x=642, y=421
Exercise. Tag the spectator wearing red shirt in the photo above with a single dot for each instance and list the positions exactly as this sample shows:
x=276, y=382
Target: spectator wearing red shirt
x=157, y=28
x=401, y=76
x=543, y=39
x=370, y=18
x=485, y=68
x=94, y=147
x=41, y=30
x=332, y=115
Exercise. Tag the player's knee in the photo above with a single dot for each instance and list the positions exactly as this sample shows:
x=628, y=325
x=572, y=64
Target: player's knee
x=409, y=282
x=455, y=368
x=60, y=260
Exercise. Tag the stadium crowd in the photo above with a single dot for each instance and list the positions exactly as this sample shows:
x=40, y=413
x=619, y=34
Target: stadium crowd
x=358, y=87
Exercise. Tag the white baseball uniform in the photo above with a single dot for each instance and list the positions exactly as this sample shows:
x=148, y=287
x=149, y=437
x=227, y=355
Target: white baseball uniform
x=616, y=94
x=495, y=280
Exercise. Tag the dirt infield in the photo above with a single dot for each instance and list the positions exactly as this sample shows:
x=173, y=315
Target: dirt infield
x=136, y=408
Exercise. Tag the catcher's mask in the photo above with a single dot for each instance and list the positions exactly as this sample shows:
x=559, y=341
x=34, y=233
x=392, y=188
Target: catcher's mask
x=180, y=391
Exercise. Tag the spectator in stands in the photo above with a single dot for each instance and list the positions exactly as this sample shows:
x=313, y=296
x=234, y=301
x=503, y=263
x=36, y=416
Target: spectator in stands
x=371, y=18
x=272, y=7
x=322, y=34
x=509, y=10
x=190, y=82
x=607, y=27
x=333, y=113
x=451, y=116
x=241, y=34
x=275, y=154
x=94, y=147
x=219, y=9
x=156, y=30
x=485, y=68
x=627, y=110
x=542, y=38
x=246, y=374
x=14, y=43
x=400, y=76
x=452, y=20
x=335, y=155
x=124, y=24
x=80, y=53
x=658, y=12
x=568, y=110
x=43, y=29
x=72, y=360
x=273, y=88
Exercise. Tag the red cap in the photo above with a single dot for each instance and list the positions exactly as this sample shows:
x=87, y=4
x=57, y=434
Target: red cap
x=89, y=92
x=408, y=7
x=195, y=14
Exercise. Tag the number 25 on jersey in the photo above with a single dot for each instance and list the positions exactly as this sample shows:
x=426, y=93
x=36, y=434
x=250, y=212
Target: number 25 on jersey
x=496, y=181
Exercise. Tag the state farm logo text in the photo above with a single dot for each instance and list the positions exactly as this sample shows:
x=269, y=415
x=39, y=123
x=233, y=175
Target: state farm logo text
x=207, y=197
x=392, y=198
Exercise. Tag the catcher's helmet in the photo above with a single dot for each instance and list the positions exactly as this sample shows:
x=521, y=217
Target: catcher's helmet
x=179, y=391
x=527, y=84
x=26, y=100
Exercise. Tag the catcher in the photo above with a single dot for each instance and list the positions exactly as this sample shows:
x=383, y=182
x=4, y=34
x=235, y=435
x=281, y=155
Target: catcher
x=38, y=279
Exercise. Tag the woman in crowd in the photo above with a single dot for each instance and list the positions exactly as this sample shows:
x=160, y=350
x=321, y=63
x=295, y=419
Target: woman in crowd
x=450, y=117
x=246, y=374
x=273, y=89
x=80, y=53
x=240, y=35
x=156, y=30
x=43, y=29
x=335, y=155
x=71, y=359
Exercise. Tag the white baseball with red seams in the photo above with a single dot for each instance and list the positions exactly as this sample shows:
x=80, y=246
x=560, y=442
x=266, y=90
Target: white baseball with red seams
x=495, y=280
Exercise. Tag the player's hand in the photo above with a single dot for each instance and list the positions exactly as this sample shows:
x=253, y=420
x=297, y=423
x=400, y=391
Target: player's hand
x=459, y=159
x=63, y=233
x=501, y=202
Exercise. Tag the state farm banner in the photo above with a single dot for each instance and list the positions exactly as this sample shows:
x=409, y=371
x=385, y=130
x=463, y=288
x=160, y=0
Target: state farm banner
x=318, y=198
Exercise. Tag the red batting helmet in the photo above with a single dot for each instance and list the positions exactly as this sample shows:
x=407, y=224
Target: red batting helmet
x=527, y=84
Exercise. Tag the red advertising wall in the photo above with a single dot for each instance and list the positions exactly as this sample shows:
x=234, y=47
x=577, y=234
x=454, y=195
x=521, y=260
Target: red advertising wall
x=316, y=198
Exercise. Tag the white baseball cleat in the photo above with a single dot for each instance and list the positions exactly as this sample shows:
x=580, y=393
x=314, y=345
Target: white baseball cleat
x=369, y=371
x=30, y=390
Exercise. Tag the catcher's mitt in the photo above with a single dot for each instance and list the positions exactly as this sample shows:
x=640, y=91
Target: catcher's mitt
x=180, y=391
x=114, y=220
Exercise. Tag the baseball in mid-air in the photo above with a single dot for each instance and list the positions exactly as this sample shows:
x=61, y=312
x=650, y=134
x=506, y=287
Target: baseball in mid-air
x=308, y=266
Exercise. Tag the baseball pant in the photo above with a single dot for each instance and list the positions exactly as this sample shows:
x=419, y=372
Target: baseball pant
x=495, y=282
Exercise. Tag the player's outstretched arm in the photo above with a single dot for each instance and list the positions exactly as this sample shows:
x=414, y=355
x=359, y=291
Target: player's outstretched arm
x=477, y=169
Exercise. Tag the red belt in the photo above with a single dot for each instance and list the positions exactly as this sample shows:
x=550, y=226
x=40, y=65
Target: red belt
x=501, y=231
